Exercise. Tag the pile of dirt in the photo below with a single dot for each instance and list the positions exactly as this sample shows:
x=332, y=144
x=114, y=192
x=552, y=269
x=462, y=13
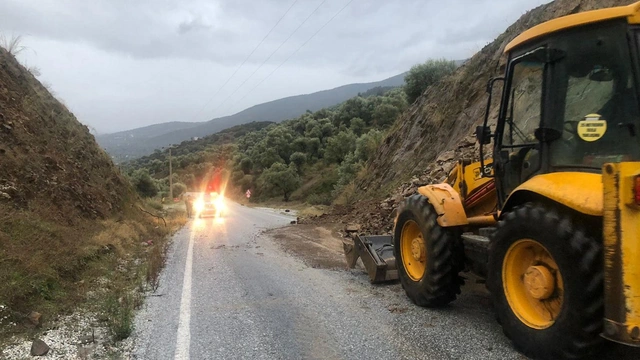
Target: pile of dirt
x=437, y=130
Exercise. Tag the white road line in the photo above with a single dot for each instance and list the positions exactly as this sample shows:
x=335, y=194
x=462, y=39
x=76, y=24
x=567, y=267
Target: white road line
x=183, y=340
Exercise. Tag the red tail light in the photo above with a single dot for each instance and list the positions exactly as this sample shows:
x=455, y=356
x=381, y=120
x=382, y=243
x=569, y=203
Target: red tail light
x=636, y=189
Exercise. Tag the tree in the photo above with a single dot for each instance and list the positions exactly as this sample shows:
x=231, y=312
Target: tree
x=189, y=180
x=265, y=157
x=246, y=165
x=421, y=76
x=385, y=114
x=246, y=182
x=354, y=107
x=299, y=144
x=339, y=146
x=327, y=130
x=298, y=159
x=179, y=189
x=367, y=144
x=280, y=178
x=237, y=176
x=280, y=138
x=357, y=125
x=143, y=183
x=313, y=146
x=347, y=170
x=156, y=166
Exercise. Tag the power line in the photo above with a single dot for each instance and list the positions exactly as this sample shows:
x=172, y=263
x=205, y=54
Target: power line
x=293, y=53
x=246, y=59
x=267, y=59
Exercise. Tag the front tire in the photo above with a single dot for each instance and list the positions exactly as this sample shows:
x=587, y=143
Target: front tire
x=545, y=275
x=427, y=255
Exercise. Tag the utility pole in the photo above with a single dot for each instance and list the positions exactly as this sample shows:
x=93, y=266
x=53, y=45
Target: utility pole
x=170, y=178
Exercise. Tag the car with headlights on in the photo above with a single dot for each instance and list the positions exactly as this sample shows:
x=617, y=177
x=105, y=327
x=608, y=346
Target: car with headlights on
x=210, y=204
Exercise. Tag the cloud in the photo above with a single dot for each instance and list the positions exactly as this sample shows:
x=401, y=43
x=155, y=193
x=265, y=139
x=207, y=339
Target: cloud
x=151, y=61
x=195, y=24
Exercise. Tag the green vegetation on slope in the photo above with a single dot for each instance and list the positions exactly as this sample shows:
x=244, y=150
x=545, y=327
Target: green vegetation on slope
x=313, y=158
x=309, y=158
x=191, y=161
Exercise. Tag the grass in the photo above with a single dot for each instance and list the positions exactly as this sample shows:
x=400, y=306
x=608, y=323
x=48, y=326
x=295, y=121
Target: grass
x=348, y=195
x=119, y=314
x=155, y=263
x=154, y=204
x=13, y=45
x=71, y=233
x=46, y=267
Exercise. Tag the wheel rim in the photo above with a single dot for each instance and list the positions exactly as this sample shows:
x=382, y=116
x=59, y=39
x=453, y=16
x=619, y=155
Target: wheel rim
x=414, y=254
x=532, y=283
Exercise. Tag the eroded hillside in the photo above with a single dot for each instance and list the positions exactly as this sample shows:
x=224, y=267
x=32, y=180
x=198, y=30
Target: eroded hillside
x=66, y=213
x=51, y=164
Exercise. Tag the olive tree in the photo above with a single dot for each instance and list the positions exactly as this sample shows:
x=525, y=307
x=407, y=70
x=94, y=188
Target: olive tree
x=421, y=76
x=280, y=178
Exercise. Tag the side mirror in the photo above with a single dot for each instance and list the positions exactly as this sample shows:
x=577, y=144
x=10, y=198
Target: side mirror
x=483, y=135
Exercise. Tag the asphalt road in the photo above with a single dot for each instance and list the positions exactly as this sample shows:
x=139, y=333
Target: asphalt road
x=230, y=292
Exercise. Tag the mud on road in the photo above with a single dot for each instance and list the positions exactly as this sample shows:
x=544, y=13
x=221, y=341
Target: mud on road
x=321, y=246
x=318, y=246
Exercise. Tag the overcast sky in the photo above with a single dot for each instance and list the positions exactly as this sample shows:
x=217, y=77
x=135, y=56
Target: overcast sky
x=122, y=64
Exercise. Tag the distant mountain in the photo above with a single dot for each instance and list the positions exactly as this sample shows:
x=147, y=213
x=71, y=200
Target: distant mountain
x=131, y=144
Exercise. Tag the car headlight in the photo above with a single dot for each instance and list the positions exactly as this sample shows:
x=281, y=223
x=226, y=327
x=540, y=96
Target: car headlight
x=220, y=203
x=198, y=205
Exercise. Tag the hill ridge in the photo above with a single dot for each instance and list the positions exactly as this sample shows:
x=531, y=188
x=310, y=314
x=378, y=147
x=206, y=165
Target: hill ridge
x=122, y=146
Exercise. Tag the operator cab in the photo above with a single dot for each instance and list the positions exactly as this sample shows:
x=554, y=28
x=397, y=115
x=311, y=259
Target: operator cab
x=569, y=104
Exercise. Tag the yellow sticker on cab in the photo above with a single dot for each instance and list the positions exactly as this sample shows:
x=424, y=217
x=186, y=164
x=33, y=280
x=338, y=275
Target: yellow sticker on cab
x=592, y=128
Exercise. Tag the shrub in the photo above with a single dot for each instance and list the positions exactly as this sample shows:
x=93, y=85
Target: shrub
x=421, y=76
x=319, y=199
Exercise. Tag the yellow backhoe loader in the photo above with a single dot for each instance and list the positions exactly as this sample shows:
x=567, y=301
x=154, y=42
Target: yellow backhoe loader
x=553, y=221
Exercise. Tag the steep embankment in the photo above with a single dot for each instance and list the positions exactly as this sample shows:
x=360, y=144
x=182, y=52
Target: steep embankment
x=63, y=204
x=435, y=131
x=51, y=164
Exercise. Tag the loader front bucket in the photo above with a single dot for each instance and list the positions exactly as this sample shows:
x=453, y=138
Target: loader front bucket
x=376, y=252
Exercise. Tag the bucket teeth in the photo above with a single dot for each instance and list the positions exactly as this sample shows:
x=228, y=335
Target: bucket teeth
x=350, y=254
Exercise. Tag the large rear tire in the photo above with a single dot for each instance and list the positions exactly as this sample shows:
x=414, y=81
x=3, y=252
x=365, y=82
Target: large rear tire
x=428, y=256
x=545, y=275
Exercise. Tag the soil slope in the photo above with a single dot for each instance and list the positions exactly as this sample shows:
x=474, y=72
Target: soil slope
x=63, y=204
